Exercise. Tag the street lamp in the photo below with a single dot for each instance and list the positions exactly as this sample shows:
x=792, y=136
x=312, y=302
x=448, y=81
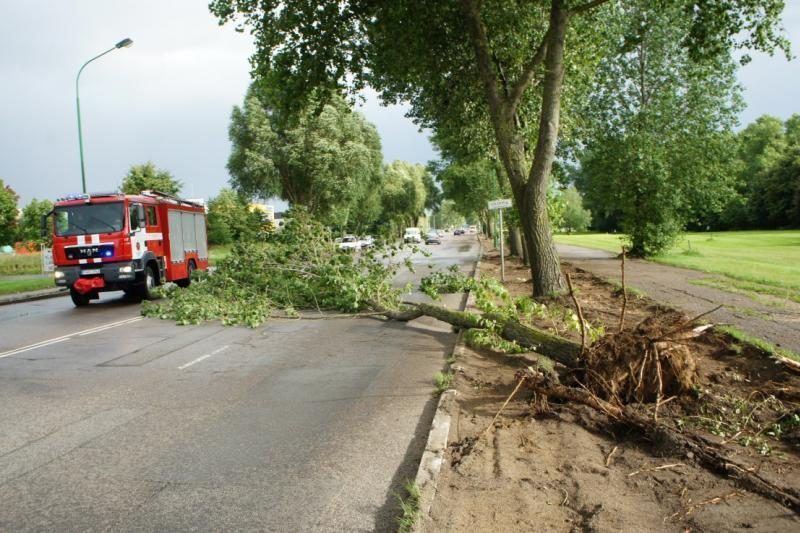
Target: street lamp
x=124, y=43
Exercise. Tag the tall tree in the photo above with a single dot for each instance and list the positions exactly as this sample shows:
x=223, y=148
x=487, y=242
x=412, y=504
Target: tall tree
x=792, y=126
x=449, y=215
x=8, y=214
x=762, y=146
x=470, y=186
x=30, y=221
x=404, y=194
x=779, y=194
x=507, y=60
x=660, y=134
x=230, y=218
x=576, y=217
x=147, y=177
x=323, y=156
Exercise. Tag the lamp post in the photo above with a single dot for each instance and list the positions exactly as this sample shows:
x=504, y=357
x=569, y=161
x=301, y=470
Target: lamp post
x=124, y=43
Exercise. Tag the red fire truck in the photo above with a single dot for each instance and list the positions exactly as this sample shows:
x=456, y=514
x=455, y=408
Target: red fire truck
x=113, y=241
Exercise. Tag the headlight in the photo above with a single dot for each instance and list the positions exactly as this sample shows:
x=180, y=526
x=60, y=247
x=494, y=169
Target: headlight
x=59, y=274
x=125, y=269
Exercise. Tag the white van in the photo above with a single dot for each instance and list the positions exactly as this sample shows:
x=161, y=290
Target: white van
x=412, y=236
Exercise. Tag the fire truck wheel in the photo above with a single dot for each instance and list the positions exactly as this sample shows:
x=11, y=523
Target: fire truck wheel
x=150, y=283
x=190, y=268
x=79, y=299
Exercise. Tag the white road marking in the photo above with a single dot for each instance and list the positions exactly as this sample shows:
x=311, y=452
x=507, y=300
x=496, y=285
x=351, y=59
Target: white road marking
x=108, y=326
x=203, y=357
x=33, y=347
x=67, y=337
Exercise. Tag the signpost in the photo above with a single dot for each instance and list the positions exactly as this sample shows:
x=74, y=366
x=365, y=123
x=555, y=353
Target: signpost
x=499, y=205
x=47, y=260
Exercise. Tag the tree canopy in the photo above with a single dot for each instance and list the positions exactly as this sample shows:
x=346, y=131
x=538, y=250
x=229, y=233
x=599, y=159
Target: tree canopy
x=456, y=62
x=404, y=194
x=8, y=214
x=470, y=186
x=658, y=134
x=768, y=180
x=230, y=219
x=30, y=221
x=147, y=177
x=323, y=156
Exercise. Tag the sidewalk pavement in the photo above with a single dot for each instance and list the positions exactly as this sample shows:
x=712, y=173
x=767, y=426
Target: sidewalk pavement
x=778, y=323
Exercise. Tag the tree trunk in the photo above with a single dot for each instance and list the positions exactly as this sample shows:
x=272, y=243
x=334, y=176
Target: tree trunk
x=556, y=348
x=528, y=183
x=545, y=268
x=525, y=259
x=513, y=245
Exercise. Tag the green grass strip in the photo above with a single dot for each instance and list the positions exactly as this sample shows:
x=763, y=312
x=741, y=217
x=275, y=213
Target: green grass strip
x=761, y=344
x=25, y=285
x=769, y=260
x=747, y=288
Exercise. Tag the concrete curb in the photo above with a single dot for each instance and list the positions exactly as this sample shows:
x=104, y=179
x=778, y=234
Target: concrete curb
x=433, y=457
x=19, y=297
x=435, y=449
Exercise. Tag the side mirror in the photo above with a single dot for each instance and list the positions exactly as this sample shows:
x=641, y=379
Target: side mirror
x=44, y=229
x=140, y=212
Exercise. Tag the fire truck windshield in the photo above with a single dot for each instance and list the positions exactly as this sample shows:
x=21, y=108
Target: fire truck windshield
x=89, y=218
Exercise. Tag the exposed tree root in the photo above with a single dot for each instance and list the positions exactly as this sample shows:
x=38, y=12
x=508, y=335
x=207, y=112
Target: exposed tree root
x=704, y=452
x=643, y=364
x=709, y=457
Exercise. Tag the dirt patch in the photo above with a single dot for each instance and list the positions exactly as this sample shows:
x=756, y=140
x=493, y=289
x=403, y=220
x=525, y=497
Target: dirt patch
x=567, y=467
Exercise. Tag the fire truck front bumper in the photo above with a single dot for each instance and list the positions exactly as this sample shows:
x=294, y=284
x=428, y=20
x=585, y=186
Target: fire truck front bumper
x=113, y=274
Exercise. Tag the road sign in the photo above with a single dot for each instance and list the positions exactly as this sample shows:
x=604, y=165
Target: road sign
x=47, y=260
x=500, y=204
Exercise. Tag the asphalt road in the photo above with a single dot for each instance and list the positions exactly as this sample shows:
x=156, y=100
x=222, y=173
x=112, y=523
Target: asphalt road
x=110, y=421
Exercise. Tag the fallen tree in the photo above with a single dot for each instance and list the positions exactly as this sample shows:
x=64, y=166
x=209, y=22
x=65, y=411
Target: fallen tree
x=621, y=375
x=557, y=348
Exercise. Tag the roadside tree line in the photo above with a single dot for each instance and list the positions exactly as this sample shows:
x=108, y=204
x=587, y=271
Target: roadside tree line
x=326, y=157
x=503, y=81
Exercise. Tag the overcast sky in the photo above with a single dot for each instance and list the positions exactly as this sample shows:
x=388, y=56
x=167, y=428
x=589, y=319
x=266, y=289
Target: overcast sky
x=168, y=98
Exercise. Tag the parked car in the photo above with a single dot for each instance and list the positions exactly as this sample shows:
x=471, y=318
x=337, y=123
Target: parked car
x=349, y=243
x=367, y=242
x=458, y=231
x=433, y=238
x=473, y=229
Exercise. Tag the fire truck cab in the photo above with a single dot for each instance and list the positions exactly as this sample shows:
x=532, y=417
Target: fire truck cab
x=133, y=243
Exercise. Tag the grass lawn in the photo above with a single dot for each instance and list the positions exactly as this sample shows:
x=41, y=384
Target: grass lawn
x=217, y=252
x=764, y=262
x=24, y=285
x=12, y=265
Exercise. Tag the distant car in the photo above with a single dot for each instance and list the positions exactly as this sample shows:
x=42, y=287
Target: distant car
x=458, y=231
x=473, y=229
x=433, y=238
x=367, y=242
x=349, y=243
